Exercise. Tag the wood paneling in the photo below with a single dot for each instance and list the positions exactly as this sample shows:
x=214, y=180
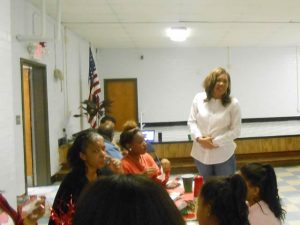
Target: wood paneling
x=172, y=150
x=279, y=151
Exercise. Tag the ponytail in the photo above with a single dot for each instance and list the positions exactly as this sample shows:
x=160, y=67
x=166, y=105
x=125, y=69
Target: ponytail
x=239, y=190
x=270, y=193
x=264, y=177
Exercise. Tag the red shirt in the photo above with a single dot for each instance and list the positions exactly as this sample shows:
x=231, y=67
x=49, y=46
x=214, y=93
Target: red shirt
x=131, y=166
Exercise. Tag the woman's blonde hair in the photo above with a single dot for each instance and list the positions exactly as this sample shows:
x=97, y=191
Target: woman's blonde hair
x=210, y=82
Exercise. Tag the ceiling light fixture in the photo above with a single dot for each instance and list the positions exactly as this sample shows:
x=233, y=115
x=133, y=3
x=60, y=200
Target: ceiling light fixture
x=178, y=34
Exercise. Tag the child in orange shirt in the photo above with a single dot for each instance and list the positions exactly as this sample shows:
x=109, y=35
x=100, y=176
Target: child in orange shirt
x=138, y=161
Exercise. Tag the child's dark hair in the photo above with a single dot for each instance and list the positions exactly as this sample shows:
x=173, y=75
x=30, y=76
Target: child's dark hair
x=127, y=136
x=126, y=200
x=227, y=199
x=264, y=177
x=80, y=144
x=108, y=118
x=106, y=131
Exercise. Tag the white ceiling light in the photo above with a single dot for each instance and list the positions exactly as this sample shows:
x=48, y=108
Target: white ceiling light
x=178, y=33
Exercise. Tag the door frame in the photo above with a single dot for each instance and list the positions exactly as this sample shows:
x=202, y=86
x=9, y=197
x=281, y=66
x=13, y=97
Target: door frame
x=136, y=91
x=34, y=132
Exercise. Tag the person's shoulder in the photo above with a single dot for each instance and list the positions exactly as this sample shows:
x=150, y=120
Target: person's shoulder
x=71, y=179
x=126, y=165
x=147, y=157
x=260, y=214
x=108, y=144
x=234, y=101
x=125, y=160
x=200, y=96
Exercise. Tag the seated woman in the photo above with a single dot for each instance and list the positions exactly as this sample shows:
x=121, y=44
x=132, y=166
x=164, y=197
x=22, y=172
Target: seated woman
x=9, y=216
x=86, y=157
x=222, y=201
x=138, y=161
x=164, y=163
x=126, y=200
x=263, y=199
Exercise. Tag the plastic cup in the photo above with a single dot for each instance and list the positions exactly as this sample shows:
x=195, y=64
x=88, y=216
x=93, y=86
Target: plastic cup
x=198, y=182
x=187, y=180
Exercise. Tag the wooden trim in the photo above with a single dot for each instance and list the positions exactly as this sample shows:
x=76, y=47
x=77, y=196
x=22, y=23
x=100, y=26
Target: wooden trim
x=278, y=151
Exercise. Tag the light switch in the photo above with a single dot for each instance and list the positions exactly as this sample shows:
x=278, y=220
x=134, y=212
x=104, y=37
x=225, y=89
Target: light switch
x=18, y=119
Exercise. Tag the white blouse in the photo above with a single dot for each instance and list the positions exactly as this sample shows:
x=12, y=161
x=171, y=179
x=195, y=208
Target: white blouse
x=222, y=124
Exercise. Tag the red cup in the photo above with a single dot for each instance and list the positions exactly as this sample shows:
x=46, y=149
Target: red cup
x=198, y=182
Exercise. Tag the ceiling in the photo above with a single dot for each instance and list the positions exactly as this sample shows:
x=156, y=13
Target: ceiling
x=213, y=23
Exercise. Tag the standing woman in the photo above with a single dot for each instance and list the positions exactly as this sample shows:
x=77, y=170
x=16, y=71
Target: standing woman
x=214, y=122
x=86, y=157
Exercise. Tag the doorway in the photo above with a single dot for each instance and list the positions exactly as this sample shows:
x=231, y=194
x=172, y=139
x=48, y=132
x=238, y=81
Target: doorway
x=35, y=123
x=123, y=94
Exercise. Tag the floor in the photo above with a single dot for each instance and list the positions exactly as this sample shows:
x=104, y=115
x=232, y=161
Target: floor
x=288, y=181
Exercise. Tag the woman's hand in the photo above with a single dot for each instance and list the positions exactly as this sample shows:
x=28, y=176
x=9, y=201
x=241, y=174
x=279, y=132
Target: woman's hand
x=115, y=166
x=166, y=165
x=206, y=142
x=37, y=213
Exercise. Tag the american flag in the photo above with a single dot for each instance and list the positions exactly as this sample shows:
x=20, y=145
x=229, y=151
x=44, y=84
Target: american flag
x=94, y=89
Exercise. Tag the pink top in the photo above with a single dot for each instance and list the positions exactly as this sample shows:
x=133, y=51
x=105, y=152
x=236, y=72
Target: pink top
x=260, y=214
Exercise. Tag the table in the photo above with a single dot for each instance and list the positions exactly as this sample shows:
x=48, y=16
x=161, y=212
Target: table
x=185, y=202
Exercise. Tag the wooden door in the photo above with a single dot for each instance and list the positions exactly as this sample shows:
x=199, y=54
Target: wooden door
x=35, y=123
x=27, y=123
x=123, y=94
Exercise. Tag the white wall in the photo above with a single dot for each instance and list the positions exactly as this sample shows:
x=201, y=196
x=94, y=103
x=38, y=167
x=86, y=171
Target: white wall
x=168, y=79
x=263, y=79
x=70, y=55
x=7, y=137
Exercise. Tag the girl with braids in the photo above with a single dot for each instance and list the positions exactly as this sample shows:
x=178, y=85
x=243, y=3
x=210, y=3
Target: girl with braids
x=222, y=201
x=86, y=157
x=137, y=160
x=262, y=196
